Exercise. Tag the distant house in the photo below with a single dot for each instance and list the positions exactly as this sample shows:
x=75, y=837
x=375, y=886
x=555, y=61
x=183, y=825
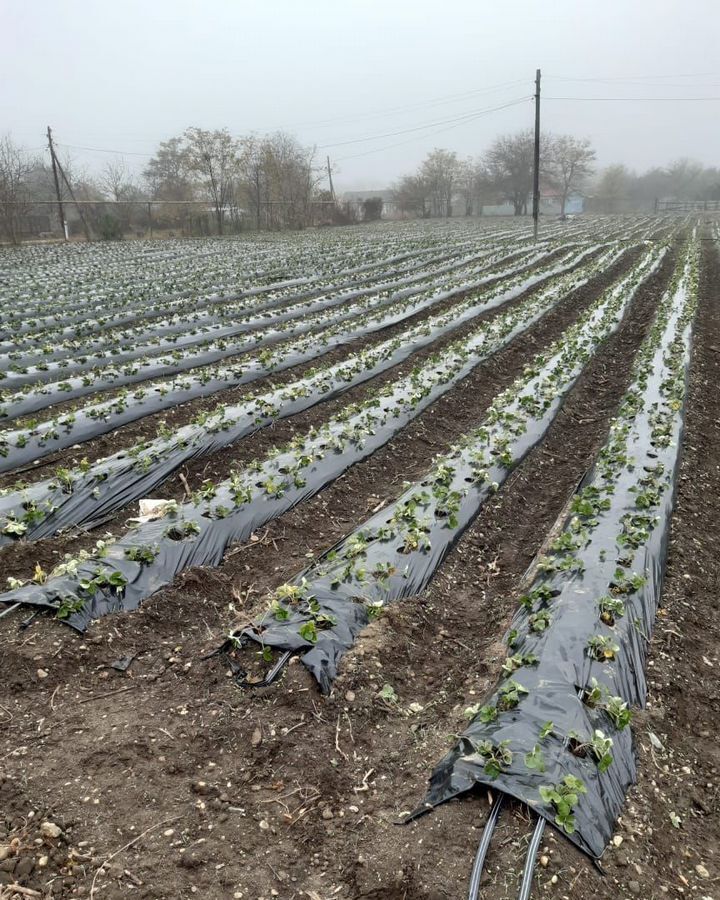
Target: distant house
x=550, y=204
x=356, y=199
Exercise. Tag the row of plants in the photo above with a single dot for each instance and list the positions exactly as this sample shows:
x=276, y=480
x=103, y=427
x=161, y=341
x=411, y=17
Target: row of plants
x=77, y=268
x=199, y=339
x=193, y=322
x=88, y=321
x=554, y=732
x=88, y=374
x=395, y=553
x=90, y=492
x=53, y=284
x=199, y=531
x=40, y=438
x=103, y=295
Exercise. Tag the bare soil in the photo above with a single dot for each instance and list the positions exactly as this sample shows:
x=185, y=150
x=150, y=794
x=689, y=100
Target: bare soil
x=167, y=781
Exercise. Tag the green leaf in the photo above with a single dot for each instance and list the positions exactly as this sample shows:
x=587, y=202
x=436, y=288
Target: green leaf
x=308, y=632
x=535, y=759
x=487, y=714
x=546, y=730
x=548, y=793
x=387, y=692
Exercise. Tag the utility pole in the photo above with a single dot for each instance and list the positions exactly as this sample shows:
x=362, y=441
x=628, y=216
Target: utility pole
x=536, y=161
x=61, y=211
x=332, y=189
x=85, y=225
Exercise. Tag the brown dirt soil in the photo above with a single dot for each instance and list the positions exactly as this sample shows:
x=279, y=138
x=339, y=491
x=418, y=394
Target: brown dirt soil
x=168, y=782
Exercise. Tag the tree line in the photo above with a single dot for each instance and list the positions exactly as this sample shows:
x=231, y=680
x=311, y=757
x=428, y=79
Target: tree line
x=270, y=182
x=212, y=182
x=504, y=175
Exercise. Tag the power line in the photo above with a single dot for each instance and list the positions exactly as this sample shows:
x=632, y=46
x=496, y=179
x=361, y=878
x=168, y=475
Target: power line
x=421, y=104
x=104, y=150
x=636, y=99
x=386, y=111
x=645, y=78
x=465, y=116
x=436, y=131
x=645, y=84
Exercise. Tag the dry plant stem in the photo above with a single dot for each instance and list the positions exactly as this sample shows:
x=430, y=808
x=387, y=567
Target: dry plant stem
x=127, y=847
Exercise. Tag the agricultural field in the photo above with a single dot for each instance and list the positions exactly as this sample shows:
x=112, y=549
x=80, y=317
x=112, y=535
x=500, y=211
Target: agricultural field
x=319, y=552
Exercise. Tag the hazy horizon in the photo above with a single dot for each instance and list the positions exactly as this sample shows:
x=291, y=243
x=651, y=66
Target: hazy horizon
x=124, y=77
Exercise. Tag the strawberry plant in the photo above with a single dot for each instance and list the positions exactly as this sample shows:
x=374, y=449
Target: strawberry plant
x=564, y=797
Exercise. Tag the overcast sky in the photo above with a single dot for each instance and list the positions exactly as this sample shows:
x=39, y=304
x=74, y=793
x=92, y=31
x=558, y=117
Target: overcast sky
x=123, y=75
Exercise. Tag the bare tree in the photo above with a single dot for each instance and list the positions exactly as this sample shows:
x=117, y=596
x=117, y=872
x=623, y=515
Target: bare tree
x=254, y=177
x=613, y=189
x=509, y=164
x=16, y=166
x=168, y=173
x=685, y=179
x=410, y=194
x=569, y=163
x=117, y=181
x=472, y=185
x=214, y=157
x=439, y=172
x=115, y=178
x=292, y=180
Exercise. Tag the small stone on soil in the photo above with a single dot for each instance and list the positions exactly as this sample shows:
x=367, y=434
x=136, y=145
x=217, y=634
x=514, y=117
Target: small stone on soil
x=50, y=830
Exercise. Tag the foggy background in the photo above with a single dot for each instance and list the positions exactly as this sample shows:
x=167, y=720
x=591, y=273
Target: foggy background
x=124, y=76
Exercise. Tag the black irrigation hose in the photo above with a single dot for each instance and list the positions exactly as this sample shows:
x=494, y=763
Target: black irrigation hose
x=527, y=878
x=241, y=678
x=483, y=847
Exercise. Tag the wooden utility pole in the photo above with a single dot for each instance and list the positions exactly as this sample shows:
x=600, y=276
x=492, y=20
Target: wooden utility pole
x=536, y=158
x=332, y=189
x=61, y=211
x=86, y=227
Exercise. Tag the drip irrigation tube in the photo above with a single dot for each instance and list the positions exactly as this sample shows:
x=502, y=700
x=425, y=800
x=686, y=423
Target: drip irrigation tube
x=484, y=846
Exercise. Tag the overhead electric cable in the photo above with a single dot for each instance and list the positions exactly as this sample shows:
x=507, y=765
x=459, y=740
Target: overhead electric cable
x=433, y=132
x=455, y=119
